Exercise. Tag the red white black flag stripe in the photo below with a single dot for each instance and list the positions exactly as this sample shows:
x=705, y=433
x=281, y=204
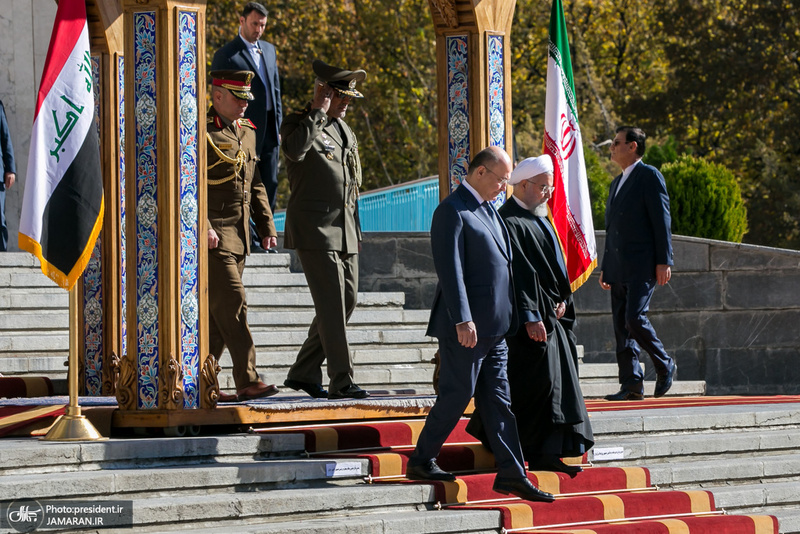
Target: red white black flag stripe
x=62, y=209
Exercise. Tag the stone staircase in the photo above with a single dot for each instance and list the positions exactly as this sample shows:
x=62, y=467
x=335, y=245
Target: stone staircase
x=390, y=348
x=746, y=455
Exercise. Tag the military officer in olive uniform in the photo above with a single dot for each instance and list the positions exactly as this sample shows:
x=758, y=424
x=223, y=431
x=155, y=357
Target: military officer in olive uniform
x=322, y=226
x=235, y=194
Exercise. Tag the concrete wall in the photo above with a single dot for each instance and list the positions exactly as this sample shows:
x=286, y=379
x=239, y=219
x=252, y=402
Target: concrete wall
x=730, y=315
x=25, y=28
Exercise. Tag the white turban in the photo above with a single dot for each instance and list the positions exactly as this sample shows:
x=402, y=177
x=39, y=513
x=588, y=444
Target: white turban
x=530, y=167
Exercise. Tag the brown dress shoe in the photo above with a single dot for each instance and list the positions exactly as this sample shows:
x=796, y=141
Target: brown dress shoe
x=256, y=390
x=227, y=397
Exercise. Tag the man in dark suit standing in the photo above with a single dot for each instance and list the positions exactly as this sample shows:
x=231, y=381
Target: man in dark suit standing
x=248, y=52
x=638, y=255
x=8, y=174
x=322, y=226
x=473, y=310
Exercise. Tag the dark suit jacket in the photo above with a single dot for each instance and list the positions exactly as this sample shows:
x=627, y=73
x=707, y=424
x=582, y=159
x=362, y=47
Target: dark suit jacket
x=236, y=56
x=6, y=150
x=473, y=264
x=638, y=233
x=322, y=212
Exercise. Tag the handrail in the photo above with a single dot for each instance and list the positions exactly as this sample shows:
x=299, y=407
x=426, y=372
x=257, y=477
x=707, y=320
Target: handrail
x=405, y=207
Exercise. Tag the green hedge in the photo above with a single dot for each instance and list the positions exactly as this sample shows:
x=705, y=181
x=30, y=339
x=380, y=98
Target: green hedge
x=705, y=200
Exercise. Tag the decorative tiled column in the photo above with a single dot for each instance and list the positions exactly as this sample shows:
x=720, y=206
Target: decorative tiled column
x=473, y=76
x=99, y=309
x=165, y=197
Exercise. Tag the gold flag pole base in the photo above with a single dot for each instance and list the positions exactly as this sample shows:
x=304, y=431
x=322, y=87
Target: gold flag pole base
x=72, y=426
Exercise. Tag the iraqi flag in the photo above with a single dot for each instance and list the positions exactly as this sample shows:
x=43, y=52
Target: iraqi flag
x=62, y=209
x=570, y=207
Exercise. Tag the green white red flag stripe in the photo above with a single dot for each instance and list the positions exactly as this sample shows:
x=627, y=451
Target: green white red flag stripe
x=570, y=205
x=62, y=208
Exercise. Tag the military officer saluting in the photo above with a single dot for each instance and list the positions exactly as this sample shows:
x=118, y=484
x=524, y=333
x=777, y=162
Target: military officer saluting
x=322, y=226
x=235, y=194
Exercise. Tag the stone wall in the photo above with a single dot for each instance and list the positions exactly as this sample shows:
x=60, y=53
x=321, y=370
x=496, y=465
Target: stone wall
x=730, y=315
x=25, y=28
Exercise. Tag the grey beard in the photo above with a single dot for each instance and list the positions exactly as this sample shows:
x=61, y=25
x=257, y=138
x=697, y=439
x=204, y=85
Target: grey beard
x=540, y=210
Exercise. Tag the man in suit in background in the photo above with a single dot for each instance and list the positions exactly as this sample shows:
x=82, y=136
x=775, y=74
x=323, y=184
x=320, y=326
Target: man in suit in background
x=322, y=226
x=8, y=174
x=248, y=52
x=473, y=309
x=638, y=255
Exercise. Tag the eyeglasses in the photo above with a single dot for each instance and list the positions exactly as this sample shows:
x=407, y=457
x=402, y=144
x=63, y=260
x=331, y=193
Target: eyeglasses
x=544, y=188
x=503, y=180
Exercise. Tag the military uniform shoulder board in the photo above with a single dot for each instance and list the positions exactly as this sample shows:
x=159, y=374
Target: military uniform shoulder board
x=304, y=111
x=247, y=122
x=217, y=122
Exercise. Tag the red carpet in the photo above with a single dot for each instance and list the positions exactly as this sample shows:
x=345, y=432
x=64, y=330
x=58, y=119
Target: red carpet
x=17, y=418
x=599, y=405
x=599, y=500
x=35, y=386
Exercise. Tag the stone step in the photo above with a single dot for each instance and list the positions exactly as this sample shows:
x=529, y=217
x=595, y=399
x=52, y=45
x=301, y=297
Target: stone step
x=362, y=317
x=264, y=338
x=394, y=522
x=789, y=519
x=12, y=322
x=37, y=299
x=635, y=424
x=266, y=297
x=595, y=388
x=707, y=445
x=726, y=471
x=32, y=320
x=22, y=457
x=201, y=478
x=752, y=498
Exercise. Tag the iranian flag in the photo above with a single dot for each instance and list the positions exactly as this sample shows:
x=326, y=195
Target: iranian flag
x=62, y=209
x=570, y=208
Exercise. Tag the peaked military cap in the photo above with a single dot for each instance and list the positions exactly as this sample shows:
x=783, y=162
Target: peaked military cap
x=344, y=81
x=235, y=81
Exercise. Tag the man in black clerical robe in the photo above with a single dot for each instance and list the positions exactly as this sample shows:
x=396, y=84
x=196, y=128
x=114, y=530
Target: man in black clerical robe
x=546, y=397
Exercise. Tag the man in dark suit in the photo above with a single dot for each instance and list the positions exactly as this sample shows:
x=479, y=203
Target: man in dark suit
x=8, y=174
x=546, y=396
x=248, y=52
x=638, y=255
x=322, y=226
x=235, y=194
x=473, y=310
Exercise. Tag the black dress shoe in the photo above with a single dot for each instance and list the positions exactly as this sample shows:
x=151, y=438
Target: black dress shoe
x=315, y=390
x=350, y=392
x=663, y=383
x=522, y=488
x=551, y=463
x=428, y=471
x=623, y=395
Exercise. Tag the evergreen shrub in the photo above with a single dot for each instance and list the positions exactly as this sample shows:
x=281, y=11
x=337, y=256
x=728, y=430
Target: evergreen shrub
x=705, y=200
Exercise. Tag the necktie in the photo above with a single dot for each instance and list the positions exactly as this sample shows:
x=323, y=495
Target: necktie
x=498, y=229
x=256, y=53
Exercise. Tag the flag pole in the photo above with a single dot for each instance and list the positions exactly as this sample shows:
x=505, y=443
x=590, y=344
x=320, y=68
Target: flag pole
x=73, y=426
